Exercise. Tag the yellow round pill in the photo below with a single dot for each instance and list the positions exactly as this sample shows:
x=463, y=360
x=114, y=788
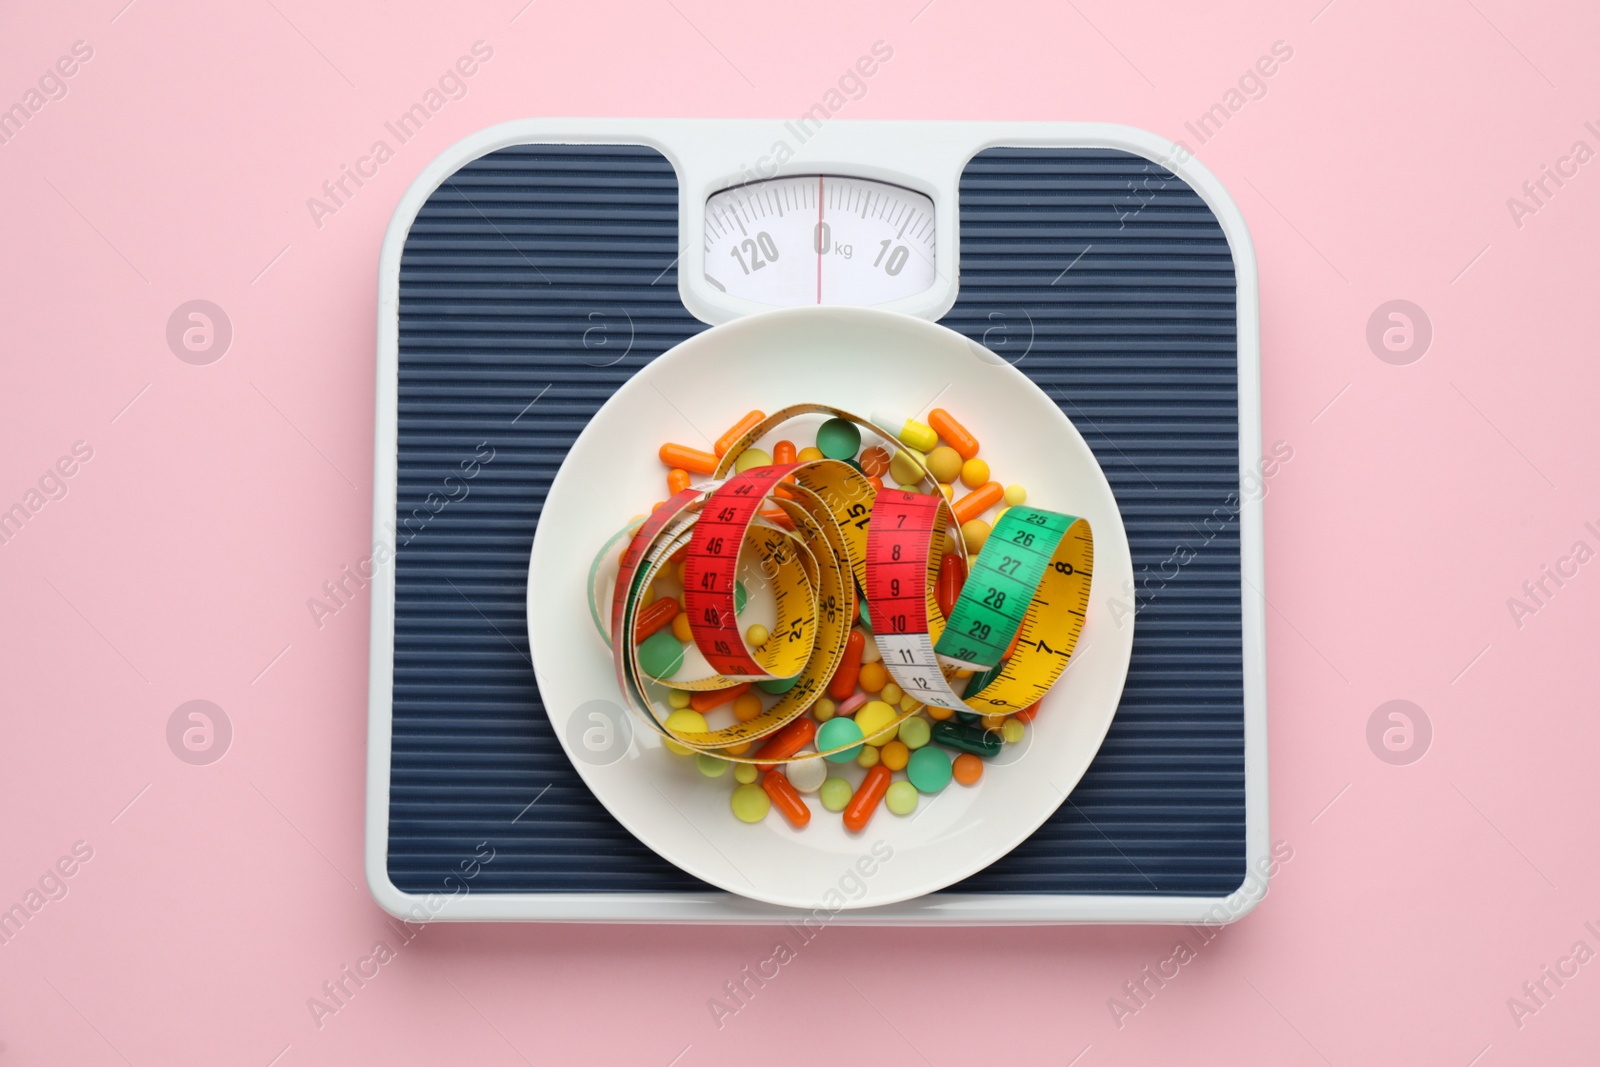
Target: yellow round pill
x=945, y=463
x=908, y=702
x=680, y=629
x=683, y=721
x=903, y=468
x=677, y=698
x=745, y=773
x=1013, y=730
x=757, y=635
x=868, y=757
x=891, y=693
x=974, y=472
x=1015, y=495
x=975, y=533
x=948, y=490
x=823, y=709
x=755, y=457
x=809, y=454
x=875, y=718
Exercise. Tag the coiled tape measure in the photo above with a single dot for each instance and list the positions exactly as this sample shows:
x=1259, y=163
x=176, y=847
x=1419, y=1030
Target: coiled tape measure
x=818, y=533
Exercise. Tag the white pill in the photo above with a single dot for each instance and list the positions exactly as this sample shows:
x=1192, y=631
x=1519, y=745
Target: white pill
x=807, y=775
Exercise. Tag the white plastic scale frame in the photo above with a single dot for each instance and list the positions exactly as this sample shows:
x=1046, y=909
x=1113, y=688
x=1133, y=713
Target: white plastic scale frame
x=710, y=155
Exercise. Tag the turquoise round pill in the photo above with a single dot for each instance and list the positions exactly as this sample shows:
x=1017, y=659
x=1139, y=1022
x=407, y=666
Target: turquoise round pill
x=660, y=655
x=777, y=685
x=838, y=439
x=915, y=732
x=836, y=732
x=901, y=798
x=929, y=769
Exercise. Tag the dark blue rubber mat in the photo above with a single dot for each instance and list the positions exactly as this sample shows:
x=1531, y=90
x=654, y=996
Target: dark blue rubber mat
x=539, y=278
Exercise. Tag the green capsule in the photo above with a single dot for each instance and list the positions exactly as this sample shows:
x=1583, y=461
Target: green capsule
x=976, y=683
x=967, y=737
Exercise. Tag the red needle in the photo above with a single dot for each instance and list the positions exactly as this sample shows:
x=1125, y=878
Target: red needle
x=818, y=241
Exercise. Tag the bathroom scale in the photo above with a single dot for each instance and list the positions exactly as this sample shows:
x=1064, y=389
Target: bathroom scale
x=535, y=268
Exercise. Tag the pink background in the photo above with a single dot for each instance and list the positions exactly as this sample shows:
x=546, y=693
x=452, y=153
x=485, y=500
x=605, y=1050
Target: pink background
x=219, y=898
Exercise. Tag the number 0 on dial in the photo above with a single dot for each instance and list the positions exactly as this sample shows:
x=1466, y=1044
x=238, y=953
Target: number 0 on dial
x=820, y=239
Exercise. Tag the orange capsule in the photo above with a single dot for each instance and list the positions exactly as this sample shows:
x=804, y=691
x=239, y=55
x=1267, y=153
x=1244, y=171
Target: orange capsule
x=1027, y=713
x=786, y=798
x=874, y=461
x=787, y=741
x=955, y=435
x=655, y=615
x=978, y=501
x=738, y=430
x=706, y=699
x=952, y=576
x=784, y=452
x=690, y=459
x=677, y=481
x=778, y=516
x=843, y=682
x=867, y=797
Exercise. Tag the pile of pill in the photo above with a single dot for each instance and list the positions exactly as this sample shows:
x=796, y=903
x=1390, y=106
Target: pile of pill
x=873, y=761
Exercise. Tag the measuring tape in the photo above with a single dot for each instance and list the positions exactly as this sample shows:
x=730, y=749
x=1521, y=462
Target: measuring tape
x=1032, y=560
x=843, y=535
x=811, y=571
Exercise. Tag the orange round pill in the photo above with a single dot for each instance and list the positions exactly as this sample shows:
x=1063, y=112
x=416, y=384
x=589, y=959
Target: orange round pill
x=895, y=755
x=967, y=768
x=873, y=677
x=874, y=461
x=747, y=707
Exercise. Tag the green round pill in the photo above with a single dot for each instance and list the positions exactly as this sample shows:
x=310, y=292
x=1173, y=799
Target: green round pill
x=915, y=732
x=660, y=655
x=838, y=439
x=777, y=685
x=740, y=595
x=836, y=732
x=901, y=798
x=835, y=794
x=711, y=766
x=750, y=803
x=928, y=769
x=745, y=773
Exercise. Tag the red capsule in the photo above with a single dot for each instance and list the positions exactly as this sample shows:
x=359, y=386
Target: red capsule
x=653, y=617
x=952, y=576
x=868, y=795
x=843, y=682
x=786, y=742
x=786, y=798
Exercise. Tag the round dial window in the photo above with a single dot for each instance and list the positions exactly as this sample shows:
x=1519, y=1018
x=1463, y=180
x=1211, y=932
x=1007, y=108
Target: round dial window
x=820, y=239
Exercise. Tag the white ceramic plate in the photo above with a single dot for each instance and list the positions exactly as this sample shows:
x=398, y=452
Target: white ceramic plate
x=859, y=360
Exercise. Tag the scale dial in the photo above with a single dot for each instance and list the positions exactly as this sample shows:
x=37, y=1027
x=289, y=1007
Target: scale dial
x=820, y=239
